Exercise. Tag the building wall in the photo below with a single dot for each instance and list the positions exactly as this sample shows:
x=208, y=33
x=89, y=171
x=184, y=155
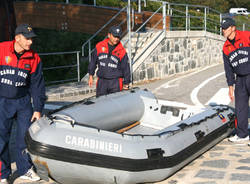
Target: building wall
x=180, y=52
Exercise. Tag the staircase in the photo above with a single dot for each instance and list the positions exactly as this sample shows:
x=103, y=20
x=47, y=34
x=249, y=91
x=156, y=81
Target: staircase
x=143, y=41
x=142, y=44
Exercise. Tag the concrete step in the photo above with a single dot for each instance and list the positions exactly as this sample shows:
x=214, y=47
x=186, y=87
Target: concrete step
x=139, y=41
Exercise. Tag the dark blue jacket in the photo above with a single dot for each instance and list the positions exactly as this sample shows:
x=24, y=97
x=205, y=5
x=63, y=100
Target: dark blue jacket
x=236, y=57
x=110, y=67
x=21, y=77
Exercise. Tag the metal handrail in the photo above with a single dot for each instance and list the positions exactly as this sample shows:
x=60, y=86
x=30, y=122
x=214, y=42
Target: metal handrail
x=148, y=19
x=58, y=53
x=59, y=67
x=152, y=28
x=186, y=14
x=190, y=5
x=159, y=21
x=143, y=24
x=65, y=66
x=91, y=50
x=88, y=41
x=178, y=11
x=60, y=81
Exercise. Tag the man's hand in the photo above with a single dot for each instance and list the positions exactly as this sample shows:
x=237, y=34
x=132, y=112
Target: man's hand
x=90, y=80
x=231, y=93
x=125, y=87
x=36, y=116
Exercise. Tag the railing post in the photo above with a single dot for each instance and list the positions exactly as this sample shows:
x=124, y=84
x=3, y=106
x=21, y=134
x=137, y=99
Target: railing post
x=189, y=23
x=133, y=18
x=168, y=8
x=205, y=19
x=129, y=39
x=83, y=50
x=94, y=2
x=243, y=27
x=139, y=6
x=186, y=19
x=220, y=23
x=169, y=14
x=78, y=65
x=89, y=51
x=67, y=1
x=164, y=17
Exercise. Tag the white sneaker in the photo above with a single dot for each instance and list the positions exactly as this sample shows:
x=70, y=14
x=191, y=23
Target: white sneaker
x=238, y=139
x=30, y=175
x=4, y=181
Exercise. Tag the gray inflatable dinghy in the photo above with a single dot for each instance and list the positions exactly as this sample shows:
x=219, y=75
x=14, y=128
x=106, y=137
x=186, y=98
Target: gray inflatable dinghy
x=123, y=138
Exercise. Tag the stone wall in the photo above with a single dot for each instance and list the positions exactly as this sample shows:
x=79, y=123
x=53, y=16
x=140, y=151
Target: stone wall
x=181, y=51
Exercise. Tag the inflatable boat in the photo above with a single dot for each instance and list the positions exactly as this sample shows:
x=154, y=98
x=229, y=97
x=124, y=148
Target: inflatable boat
x=123, y=138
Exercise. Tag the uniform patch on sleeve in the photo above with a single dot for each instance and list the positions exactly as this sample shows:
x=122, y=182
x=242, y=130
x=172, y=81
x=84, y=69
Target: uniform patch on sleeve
x=7, y=59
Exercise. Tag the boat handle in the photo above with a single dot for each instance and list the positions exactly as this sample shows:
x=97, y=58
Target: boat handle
x=155, y=153
x=63, y=119
x=199, y=135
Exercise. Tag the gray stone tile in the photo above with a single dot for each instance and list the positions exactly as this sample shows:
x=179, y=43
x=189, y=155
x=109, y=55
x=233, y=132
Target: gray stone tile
x=242, y=149
x=181, y=175
x=243, y=168
x=218, y=148
x=210, y=174
x=216, y=163
x=240, y=177
x=173, y=182
x=247, y=160
x=225, y=142
x=235, y=155
x=215, y=154
x=205, y=182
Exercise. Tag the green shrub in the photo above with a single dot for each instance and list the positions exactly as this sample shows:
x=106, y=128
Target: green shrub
x=51, y=41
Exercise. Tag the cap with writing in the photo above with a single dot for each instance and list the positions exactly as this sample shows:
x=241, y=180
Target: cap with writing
x=26, y=30
x=227, y=22
x=116, y=31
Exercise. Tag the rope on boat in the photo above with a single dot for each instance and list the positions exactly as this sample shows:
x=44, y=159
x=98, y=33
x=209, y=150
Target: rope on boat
x=63, y=119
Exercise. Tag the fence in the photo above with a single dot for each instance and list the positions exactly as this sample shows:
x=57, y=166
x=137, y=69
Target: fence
x=55, y=68
x=196, y=17
x=183, y=17
x=89, y=43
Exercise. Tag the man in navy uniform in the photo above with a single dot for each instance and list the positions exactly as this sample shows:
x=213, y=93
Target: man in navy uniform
x=21, y=79
x=236, y=53
x=113, y=66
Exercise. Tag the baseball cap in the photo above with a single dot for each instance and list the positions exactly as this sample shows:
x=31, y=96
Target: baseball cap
x=116, y=31
x=26, y=30
x=227, y=22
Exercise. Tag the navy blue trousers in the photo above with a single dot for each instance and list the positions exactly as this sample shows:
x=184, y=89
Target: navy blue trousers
x=107, y=86
x=21, y=109
x=242, y=92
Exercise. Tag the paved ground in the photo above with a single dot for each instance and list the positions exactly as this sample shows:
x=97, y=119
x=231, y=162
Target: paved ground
x=225, y=163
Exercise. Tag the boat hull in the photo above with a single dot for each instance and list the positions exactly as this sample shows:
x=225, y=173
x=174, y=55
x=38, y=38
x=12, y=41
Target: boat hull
x=82, y=154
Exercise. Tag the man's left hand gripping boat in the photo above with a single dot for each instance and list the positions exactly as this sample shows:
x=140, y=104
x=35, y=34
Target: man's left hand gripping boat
x=123, y=138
